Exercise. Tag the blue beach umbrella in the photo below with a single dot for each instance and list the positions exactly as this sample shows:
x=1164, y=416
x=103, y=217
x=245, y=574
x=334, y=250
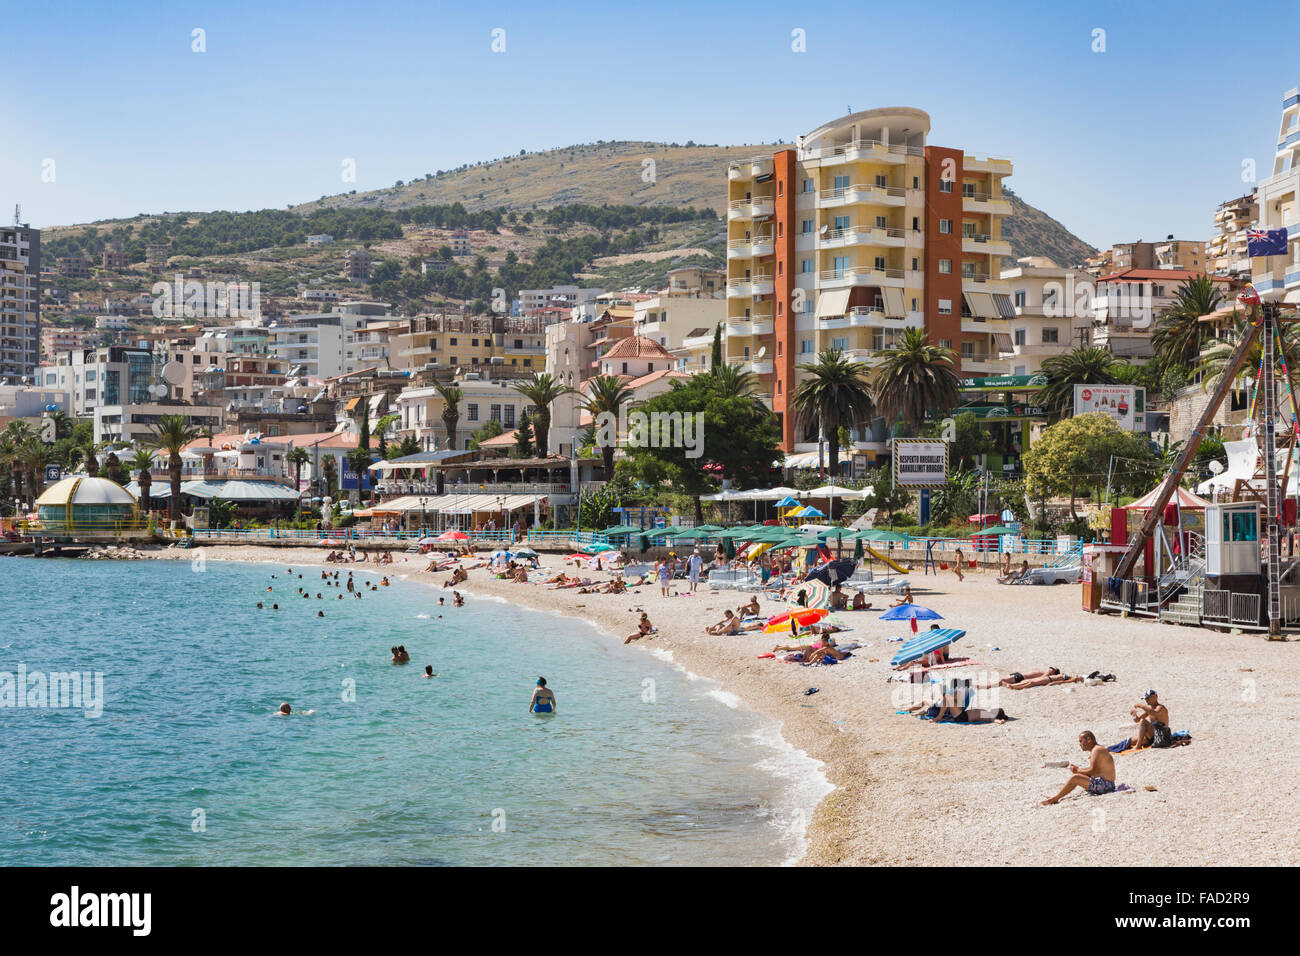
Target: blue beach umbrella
x=911, y=612
x=928, y=643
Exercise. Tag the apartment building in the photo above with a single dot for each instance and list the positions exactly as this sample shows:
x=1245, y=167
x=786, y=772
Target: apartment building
x=134, y=423
x=459, y=243
x=1277, y=278
x=1179, y=254
x=1128, y=303
x=20, y=302
x=1225, y=253
x=1047, y=321
x=57, y=338
x=115, y=259
x=314, y=345
x=356, y=265
x=482, y=400
x=859, y=232
x=320, y=239
x=670, y=319
x=560, y=296
x=696, y=281
x=156, y=255
x=74, y=267
x=113, y=375
x=507, y=345
x=1132, y=255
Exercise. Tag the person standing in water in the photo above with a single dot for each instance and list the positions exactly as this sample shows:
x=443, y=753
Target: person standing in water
x=543, y=701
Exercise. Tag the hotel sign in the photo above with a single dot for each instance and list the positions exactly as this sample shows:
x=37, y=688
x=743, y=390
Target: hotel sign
x=920, y=462
x=1004, y=382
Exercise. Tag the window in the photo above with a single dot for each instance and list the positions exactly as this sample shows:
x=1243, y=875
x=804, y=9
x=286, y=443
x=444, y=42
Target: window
x=494, y=413
x=945, y=267
x=1021, y=298
x=1240, y=526
x=882, y=222
x=916, y=223
x=967, y=190
x=913, y=303
x=945, y=343
x=916, y=182
x=945, y=227
x=807, y=305
x=968, y=350
x=841, y=182
x=841, y=265
x=509, y=411
x=808, y=185
x=842, y=344
x=805, y=346
x=882, y=181
x=624, y=368
x=1157, y=290
x=471, y=412
x=841, y=222
x=945, y=185
x=916, y=263
x=968, y=230
x=453, y=341
x=968, y=270
x=879, y=263
x=1020, y=336
x=1051, y=336
x=805, y=265
x=806, y=226
x=945, y=306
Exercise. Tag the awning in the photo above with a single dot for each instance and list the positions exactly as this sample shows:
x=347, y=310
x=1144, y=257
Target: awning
x=1002, y=342
x=834, y=302
x=894, y=307
x=981, y=304
x=1005, y=307
x=351, y=403
x=463, y=504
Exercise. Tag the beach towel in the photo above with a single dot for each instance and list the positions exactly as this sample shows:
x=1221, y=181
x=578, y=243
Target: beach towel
x=1181, y=738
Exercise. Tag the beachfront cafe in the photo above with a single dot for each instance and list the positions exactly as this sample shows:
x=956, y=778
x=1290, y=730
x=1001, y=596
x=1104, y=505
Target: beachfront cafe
x=465, y=491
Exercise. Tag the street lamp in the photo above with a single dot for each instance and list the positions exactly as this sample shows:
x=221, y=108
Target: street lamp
x=423, y=501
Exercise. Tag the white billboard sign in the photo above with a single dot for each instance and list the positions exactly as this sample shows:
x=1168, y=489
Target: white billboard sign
x=920, y=462
x=1124, y=403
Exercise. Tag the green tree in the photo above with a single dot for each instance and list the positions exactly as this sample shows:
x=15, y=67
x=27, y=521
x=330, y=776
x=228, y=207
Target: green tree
x=605, y=396
x=381, y=430
x=142, y=463
x=541, y=389
x=1084, y=365
x=715, y=357
x=524, y=437
x=451, y=399
x=914, y=379
x=833, y=392
x=170, y=436
x=1179, y=331
x=1076, y=452
x=970, y=441
x=490, y=429
x=298, y=457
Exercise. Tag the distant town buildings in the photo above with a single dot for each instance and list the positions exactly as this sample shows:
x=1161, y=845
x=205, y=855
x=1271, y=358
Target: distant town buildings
x=1278, y=198
x=74, y=267
x=460, y=243
x=356, y=265
x=1225, y=253
x=156, y=255
x=320, y=239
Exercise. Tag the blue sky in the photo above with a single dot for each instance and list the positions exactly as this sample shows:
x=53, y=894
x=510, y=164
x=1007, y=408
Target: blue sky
x=1141, y=140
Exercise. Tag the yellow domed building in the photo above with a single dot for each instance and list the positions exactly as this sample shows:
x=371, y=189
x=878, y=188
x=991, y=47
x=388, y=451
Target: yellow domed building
x=88, y=507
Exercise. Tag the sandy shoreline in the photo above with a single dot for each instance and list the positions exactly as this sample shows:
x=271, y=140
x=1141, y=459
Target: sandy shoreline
x=911, y=792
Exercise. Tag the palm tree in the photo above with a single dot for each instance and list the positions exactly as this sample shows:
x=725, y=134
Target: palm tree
x=381, y=430
x=605, y=395
x=1179, y=331
x=141, y=462
x=329, y=471
x=914, y=378
x=170, y=435
x=1084, y=365
x=33, y=454
x=298, y=457
x=360, y=459
x=9, y=459
x=835, y=391
x=542, y=389
x=733, y=381
x=451, y=396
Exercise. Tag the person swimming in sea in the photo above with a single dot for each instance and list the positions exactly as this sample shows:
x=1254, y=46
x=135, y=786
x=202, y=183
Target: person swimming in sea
x=543, y=700
x=428, y=671
x=284, y=711
x=459, y=601
x=320, y=613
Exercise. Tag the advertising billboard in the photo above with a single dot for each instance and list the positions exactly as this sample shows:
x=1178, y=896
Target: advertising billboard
x=920, y=462
x=1124, y=403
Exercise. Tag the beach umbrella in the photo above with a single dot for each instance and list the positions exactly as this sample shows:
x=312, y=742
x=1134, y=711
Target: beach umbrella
x=597, y=548
x=453, y=536
x=831, y=572
x=621, y=529
x=501, y=553
x=811, y=512
x=927, y=643
x=996, y=529
x=729, y=548
x=643, y=543
x=788, y=502
x=858, y=553
x=526, y=553
x=911, y=612
x=888, y=536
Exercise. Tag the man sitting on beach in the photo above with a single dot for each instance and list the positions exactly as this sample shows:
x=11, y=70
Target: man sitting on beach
x=1152, y=718
x=839, y=600
x=906, y=598
x=860, y=602
x=730, y=624
x=1097, y=777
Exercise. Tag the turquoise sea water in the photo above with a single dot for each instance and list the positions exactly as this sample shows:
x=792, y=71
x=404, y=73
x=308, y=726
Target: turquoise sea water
x=641, y=764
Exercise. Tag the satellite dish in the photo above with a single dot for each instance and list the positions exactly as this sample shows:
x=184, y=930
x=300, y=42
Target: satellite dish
x=824, y=229
x=158, y=391
x=1216, y=467
x=762, y=351
x=173, y=373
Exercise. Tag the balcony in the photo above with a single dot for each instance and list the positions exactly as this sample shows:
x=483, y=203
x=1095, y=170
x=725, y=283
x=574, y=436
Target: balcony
x=751, y=286
x=760, y=367
x=862, y=193
x=864, y=236
x=985, y=245
x=985, y=204
x=751, y=247
x=745, y=169
x=986, y=164
x=849, y=278
x=751, y=208
x=744, y=328
x=866, y=149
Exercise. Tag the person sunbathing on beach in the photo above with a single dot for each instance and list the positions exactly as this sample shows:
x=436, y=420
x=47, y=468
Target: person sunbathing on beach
x=1097, y=777
x=906, y=598
x=860, y=602
x=1016, y=677
x=573, y=583
x=557, y=579
x=643, y=628
x=1152, y=718
x=730, y=624
x=749, y=610
x=1045, y=681
x=826, y=649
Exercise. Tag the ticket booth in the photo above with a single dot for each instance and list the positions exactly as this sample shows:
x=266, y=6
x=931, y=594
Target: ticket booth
x=1232, y=536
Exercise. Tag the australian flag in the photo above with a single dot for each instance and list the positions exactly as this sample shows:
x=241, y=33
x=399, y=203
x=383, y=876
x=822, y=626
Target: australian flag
x=1266, y=242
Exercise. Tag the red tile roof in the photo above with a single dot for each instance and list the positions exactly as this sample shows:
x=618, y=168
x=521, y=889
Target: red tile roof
x=637, y=347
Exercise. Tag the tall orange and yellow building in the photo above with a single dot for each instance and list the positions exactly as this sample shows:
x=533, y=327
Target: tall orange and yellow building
x=860, y=231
